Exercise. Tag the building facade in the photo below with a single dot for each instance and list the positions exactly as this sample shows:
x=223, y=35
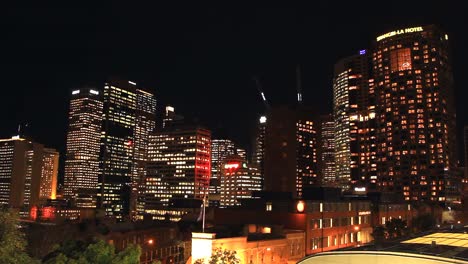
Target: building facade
x=416, y=115
x=354, y=118
x=220, y=149
x=117, y=147
x=326, y=151
x=179, y=167
x=290, y=158
x=28, y=173
x=258, y=155
x=83, y=146
x=145, y=123
x=238, y=180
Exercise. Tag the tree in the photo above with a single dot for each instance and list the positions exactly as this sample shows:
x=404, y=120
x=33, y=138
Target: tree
x=423, y=222
x=220, y=256
x=12, y=239
x=396, y=227
x=98, y=251
x=379, y=233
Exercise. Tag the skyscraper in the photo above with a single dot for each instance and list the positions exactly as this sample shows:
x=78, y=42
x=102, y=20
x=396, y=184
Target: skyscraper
x=354, y=118
x=145, y=123
x=238, y=180
x=49, y=173
x=117, y=147
x=179, y=167
x=83, y=146
x=290, y=158
x=258, y=155
x=416, y=115
x=28, y=173
x=326, y=150
x=220, y=149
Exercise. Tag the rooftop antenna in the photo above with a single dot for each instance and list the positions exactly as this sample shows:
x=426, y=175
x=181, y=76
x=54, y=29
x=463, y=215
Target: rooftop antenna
x=298, y=84
x=260, y=90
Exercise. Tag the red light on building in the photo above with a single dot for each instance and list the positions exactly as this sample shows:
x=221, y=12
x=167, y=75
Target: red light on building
x=231, y=166
x=300, y=206
x=48, y=213
x=33, y=213
x=129, y=143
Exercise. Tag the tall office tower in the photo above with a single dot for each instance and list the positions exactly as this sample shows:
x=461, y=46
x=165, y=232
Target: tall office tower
x=238, y=180
x=28, y=173
x=290, y=159
x=259, y=144
x=242, y=153
x=416, y=115
x=169, y=115
x=179, y=168
x=465, y=135
x=145, y=118
x=117, y=147
x=354, y=117
x=83, y=146
x=220, y=149
x=326, y=150
x=49, y=173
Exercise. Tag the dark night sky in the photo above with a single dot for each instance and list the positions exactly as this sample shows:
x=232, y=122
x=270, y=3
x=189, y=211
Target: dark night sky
x=198, y=58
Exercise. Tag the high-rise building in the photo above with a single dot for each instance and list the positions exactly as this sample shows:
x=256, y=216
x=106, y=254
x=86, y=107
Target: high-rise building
x=416, y=115
x=242, y=153
x=145, y=123
x=28, y=173
x=258, y=155
x=326, y=150
x=220, y=149
x=83, y=146
x=238, y=180
x=179, y=167
x=117, y=147
x=290, y=158
x=49, y=173
x=354, y=118
x=170, y=116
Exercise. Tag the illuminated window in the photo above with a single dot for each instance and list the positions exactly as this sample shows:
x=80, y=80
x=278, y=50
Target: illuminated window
x=400, y=59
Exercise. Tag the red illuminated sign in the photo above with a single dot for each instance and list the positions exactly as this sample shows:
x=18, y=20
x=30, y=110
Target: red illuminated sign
x=231, y=166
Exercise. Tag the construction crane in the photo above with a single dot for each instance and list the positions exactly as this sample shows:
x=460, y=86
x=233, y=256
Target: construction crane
x=260, y=90
x=299, y=84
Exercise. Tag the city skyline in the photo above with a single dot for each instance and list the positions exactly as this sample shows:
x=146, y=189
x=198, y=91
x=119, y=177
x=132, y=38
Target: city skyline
x=265, y=40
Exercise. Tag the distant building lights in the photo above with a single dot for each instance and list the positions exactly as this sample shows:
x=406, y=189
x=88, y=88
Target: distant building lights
x=75, y=92
x=263, y=119
x=94, y=92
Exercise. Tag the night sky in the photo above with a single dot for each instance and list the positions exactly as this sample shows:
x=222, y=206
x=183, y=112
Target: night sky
x=200, y=59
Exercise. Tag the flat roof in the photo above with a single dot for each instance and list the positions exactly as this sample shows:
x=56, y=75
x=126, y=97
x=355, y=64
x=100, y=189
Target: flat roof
x=446, y=239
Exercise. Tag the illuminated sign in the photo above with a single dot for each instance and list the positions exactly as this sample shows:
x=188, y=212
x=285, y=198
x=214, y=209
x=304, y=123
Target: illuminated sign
x=231, y=166
x=359, y=189
x=130, y=82
x=263, y=119
x=94, y=92
x=399, y=32
x=362, y=52
x=365, y=213
x=76, y=92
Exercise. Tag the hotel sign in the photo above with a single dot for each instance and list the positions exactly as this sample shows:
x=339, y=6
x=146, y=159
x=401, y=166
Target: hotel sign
x=399, y=32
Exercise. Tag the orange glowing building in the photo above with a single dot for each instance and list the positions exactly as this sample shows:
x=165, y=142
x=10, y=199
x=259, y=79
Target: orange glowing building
x=416, y=116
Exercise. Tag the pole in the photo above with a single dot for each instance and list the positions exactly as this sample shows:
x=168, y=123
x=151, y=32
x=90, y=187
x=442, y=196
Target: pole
x=203, y=219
